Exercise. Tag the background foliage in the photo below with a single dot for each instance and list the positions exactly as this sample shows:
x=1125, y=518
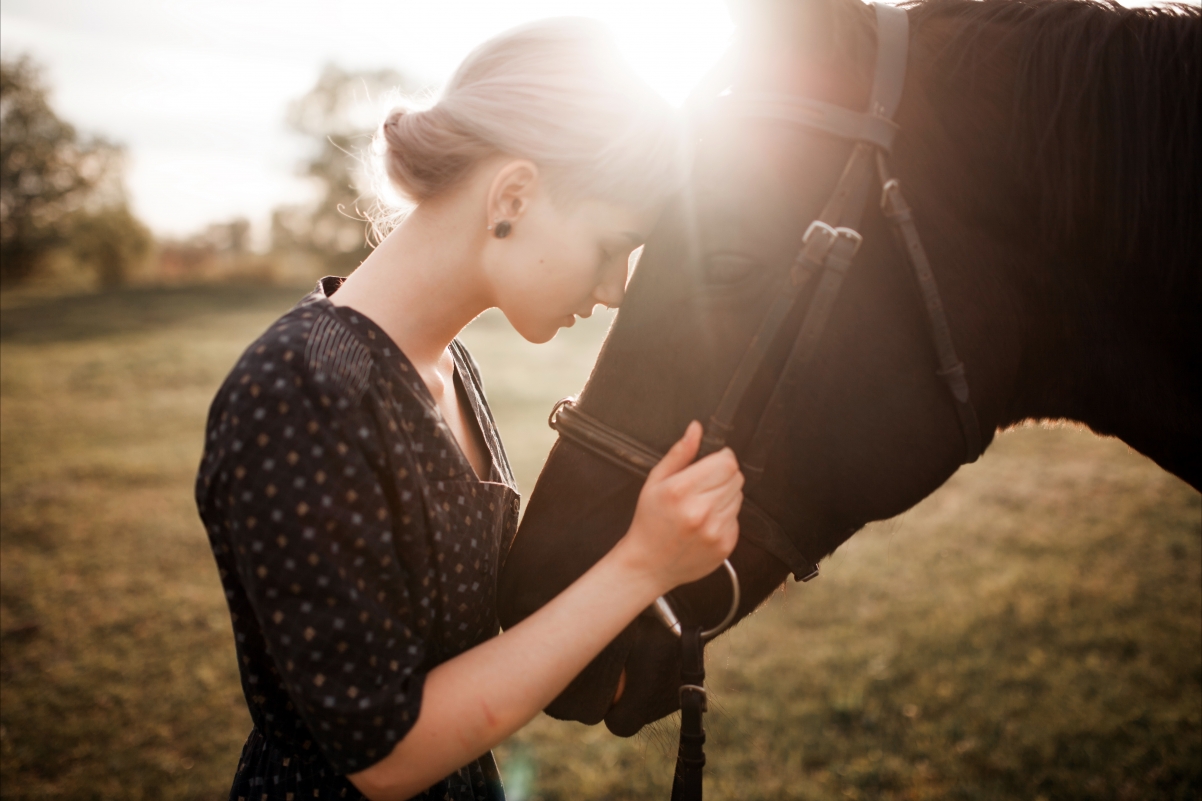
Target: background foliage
x=58, y=188
x=1032, y=630
x=337, y=116
x=65, y=220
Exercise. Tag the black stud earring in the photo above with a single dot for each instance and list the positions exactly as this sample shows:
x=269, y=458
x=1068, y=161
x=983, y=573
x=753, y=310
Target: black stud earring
x=502, y=229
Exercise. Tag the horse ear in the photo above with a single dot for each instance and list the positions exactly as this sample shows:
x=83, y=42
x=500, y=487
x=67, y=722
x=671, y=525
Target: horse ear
x=814, y=26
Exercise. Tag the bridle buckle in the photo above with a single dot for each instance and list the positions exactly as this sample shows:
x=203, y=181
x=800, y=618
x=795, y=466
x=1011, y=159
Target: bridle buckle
x=893, y=204
x=825, y=246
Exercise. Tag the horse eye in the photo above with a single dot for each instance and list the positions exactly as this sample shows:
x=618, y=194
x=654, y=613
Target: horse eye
x=729, y=268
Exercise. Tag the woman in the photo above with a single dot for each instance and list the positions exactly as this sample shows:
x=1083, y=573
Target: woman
x=354, y=488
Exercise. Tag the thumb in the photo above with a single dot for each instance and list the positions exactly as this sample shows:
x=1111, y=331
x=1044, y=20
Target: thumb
x=680, y=455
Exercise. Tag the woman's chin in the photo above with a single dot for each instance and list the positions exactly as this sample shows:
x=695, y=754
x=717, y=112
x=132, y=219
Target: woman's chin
x=547, y=331
x=543, y=331
x=542, y=335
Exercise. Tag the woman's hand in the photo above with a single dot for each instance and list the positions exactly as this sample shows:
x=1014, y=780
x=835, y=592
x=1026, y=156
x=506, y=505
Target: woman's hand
x=686, y=521
x=684, y=526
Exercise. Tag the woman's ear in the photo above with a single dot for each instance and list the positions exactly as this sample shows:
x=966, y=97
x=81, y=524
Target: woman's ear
x=512, y=190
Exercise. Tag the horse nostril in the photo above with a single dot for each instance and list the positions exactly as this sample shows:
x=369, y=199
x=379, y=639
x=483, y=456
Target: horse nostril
x=621, y=687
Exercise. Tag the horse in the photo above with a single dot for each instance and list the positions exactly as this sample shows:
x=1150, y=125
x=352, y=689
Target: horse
x=1050, y=151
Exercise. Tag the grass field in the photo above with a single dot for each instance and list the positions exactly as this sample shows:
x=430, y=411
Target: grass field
x=1032, y=630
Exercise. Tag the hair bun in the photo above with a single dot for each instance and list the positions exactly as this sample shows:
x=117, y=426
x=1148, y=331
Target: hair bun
x=426, y=152
x=555, y=91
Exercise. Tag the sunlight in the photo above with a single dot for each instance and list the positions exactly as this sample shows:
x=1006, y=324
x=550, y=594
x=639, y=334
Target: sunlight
x=198, y=91
x=674, y=54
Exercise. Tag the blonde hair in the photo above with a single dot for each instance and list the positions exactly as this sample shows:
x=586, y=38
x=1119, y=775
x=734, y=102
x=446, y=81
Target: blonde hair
x=556, y=92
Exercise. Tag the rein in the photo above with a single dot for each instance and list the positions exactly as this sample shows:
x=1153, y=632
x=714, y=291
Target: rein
x=828, y=249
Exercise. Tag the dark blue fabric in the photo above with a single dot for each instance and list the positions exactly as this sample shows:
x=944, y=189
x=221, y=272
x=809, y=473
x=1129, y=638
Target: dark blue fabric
x=356, y=546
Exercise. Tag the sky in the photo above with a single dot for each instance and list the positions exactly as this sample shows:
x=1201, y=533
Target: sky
x=197, y=90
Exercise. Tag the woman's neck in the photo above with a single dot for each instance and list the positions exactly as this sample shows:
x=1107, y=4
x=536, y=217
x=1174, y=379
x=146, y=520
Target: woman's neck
x=423, y=284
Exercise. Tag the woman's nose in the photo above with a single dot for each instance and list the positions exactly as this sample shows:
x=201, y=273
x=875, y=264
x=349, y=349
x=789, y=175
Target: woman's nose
x=611, y=291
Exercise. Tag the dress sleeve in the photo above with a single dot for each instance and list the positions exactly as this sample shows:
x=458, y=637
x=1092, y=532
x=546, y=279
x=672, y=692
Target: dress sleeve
x=312, y=507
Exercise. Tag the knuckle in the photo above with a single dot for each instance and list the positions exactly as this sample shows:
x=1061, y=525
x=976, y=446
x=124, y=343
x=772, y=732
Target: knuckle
x=694, y=516
x=673, y=492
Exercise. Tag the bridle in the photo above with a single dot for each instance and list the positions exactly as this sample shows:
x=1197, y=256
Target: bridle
x=828, y=248
x=829, y=245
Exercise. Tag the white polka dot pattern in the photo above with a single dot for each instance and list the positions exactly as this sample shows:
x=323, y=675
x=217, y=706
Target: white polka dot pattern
x=355, y=544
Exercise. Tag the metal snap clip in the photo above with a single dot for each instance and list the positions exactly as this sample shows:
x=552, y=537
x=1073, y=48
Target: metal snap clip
x=663, y=610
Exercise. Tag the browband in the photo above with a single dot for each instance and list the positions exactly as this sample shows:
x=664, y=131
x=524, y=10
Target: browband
x=826, y=117
x=876, y=126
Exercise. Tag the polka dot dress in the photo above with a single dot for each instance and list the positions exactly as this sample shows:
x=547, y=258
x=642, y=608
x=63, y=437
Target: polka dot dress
x=355, y=543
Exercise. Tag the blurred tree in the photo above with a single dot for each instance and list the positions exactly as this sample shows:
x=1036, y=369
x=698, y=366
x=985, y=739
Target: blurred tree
x=339, y=114
x=55, y=184
x=231, y=237
x=221, y=251
x=111, y=241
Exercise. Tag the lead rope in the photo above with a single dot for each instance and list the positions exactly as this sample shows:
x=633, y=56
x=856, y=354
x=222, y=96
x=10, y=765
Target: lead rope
x=690, y=756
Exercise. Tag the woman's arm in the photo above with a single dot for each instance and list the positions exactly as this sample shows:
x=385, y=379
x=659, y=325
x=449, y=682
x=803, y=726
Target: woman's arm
x=684, y=526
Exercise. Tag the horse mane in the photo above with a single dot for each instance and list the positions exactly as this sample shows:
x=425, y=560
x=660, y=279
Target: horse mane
x=1106, y=116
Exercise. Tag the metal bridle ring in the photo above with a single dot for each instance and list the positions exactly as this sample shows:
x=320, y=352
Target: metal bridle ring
x=663, y=609
x=555, y=411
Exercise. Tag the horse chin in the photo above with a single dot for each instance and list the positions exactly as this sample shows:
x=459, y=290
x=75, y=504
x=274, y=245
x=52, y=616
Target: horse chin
x=649, y=696
x=621, y=722
x=590, y=695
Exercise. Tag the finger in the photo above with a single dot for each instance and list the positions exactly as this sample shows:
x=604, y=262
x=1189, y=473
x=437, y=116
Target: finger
x=718, y=494
x=722, y=508
x=710, y=472
x=729, y=513
x=733, y=542
x=680, y=455
x=715, y=509
x=728, y=489
x=729, y=504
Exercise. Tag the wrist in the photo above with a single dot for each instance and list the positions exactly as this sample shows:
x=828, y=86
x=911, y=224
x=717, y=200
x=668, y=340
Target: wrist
x=638, y=570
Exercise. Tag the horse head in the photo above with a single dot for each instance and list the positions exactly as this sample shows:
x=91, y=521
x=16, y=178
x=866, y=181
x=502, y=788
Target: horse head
x=872, y=428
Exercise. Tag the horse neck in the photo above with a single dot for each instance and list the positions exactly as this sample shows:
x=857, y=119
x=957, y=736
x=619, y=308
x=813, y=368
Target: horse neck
x=1113, y=346
x=1109, y=335
x=1082, y=122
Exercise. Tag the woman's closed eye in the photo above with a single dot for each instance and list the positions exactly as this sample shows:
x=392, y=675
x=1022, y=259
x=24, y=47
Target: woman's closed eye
x=605, y=257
